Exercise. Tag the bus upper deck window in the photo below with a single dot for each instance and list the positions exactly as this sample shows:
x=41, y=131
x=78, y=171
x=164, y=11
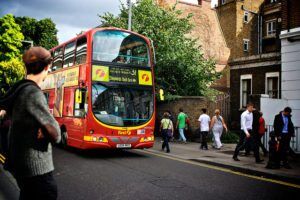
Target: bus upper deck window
x=81, y=51
x=57, y=59
x=69, y=55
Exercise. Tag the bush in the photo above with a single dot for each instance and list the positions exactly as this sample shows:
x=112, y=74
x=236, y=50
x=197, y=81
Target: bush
x=230, y=137
x=10, y=72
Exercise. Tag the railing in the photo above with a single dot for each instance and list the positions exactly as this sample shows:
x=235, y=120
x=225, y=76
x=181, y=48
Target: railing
x=295, y=141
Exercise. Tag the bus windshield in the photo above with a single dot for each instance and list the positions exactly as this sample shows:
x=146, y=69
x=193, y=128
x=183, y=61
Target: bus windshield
x=122, y=106
x=120, y=47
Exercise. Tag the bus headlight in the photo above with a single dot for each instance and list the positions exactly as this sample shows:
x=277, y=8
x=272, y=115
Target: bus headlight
x=147, y=139
x=103, y=139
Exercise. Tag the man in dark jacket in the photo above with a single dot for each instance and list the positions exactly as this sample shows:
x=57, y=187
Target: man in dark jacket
x=32, y=130
x=284, y=130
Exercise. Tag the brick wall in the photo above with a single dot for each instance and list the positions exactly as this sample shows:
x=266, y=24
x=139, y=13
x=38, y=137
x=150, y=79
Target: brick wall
x=192, y=106
x=231, y=17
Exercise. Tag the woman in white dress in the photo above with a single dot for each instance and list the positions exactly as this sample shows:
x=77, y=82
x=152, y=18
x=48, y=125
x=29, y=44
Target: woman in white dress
x=216, y=125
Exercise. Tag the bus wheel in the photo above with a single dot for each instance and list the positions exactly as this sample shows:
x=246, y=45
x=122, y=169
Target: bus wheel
x=64, y=137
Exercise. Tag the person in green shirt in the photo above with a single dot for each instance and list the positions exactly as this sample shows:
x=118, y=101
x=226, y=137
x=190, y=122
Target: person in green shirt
x=181, y=124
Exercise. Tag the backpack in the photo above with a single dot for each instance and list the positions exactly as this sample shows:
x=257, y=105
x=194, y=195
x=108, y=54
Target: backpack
x=7, y=101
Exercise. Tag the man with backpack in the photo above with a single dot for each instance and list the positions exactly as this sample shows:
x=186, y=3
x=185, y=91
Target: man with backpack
x=32, y=130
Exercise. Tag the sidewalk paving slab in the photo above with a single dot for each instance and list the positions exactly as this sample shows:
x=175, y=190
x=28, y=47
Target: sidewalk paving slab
x=223, y=158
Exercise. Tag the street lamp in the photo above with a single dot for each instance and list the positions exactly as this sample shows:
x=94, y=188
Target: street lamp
x=129, y=14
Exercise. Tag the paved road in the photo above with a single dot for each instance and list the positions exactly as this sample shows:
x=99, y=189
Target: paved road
x=136, y=174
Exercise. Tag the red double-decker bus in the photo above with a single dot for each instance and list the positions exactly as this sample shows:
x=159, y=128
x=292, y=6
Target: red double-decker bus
x=101, y=90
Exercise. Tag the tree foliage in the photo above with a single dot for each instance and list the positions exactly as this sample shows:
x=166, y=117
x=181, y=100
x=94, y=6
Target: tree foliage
x=10, y=38
x=42, y=33
x=11, y=66
x=10, y=72
x=181, y=68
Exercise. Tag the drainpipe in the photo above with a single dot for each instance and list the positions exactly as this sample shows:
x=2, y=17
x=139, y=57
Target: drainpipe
x=258, y=34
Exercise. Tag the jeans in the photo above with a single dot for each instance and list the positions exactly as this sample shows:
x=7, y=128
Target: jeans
x=42, y=187
x=181, y=135
x=166, y=140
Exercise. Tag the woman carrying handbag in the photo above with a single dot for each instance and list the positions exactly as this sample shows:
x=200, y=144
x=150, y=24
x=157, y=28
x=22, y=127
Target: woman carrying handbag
x=166, y=128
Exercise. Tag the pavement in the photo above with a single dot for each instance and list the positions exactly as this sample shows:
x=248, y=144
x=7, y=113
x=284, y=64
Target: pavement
x=223, y=158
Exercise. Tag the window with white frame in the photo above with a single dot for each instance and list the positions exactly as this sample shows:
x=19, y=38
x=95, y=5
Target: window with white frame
x=196, y=2
x=245, y=89
x=246, y=16
x=246, y=45
x=271, y=27
x=272, y=84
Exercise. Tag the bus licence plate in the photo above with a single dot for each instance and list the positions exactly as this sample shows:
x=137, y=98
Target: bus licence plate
x=123, y=145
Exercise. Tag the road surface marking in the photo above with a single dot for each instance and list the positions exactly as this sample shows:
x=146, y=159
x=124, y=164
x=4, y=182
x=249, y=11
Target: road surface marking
x=223, y=169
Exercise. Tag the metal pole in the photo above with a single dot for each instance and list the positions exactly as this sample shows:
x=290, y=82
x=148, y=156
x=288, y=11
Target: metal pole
x=129, y=14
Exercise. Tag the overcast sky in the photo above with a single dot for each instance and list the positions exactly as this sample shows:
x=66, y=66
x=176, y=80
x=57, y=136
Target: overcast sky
x=70, y=16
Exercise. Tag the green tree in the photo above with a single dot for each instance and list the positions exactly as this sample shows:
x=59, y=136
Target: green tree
x=10, y=72
x=42, y=33
x=11, y=66
x=181, y=68
x=10, y=38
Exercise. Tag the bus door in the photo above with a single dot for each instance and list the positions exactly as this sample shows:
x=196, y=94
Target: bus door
x=74, y=119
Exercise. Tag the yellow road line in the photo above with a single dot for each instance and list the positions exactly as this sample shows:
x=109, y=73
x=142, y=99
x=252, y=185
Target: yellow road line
x=224, y=170
x=1, y=160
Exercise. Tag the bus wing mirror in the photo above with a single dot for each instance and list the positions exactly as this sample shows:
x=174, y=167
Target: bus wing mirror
x=78, y=96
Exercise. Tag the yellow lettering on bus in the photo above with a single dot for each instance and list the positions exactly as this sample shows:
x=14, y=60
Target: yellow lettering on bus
x=126, y=132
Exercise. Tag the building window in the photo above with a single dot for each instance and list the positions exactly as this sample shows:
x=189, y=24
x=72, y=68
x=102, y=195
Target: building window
x=271, y=28
x=246, y=16
x=223, y=2
x=272, y=84
x=246, y=45
x=246, y=89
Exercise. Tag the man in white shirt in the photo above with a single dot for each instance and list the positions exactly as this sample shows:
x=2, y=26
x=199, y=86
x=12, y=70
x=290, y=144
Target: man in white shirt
x=246, y=134
x=204, y=120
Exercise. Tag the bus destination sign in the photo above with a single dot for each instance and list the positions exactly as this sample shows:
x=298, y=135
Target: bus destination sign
x=117, y=74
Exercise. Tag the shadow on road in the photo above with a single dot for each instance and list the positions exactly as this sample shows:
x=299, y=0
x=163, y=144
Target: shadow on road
x=104, y=153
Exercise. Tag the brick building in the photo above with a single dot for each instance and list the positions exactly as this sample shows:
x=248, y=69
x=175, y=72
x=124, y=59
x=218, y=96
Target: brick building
x=251, y=30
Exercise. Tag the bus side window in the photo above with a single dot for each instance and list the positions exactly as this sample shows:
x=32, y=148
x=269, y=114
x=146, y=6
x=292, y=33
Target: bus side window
x=57, y=59
x=80, y=106
x=81, y=49
x=69, y=55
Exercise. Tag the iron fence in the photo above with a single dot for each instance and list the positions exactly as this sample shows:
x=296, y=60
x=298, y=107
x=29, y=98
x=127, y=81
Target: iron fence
x=295, y=141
